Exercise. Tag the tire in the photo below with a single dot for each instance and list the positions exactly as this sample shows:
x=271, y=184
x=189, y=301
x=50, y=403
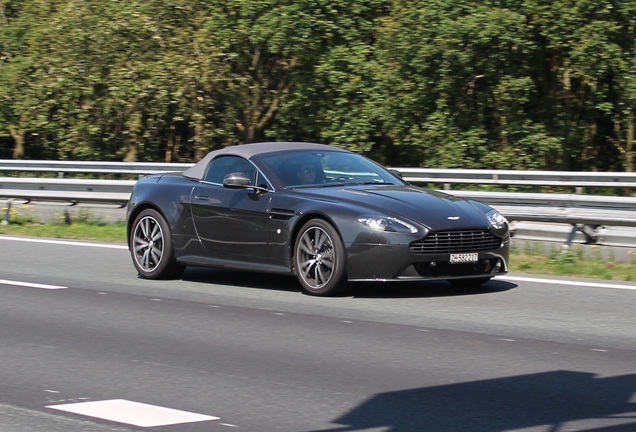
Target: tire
x=320, y=259
x=151, y=247
x=469, y=282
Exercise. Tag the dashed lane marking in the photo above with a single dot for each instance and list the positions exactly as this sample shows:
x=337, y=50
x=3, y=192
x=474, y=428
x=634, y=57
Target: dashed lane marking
x=133, y=413
x=31, y=285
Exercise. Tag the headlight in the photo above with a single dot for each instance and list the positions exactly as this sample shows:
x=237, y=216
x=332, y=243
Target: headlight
x=496, y=219
x=385, y=223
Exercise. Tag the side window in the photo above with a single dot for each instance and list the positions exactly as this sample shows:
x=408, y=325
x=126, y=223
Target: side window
x=262, y=181
x=224, y=165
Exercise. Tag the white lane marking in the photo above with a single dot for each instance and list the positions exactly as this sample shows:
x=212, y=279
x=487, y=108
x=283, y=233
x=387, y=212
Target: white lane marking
x=571, y=283
x=134, y=413
x=31, y=285
x=65, y=242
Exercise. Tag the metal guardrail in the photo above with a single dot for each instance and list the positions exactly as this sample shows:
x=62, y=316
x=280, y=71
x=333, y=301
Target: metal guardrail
x=74, y=191
x=604, y=235
x=71, y=191
x=62, y=167
x=585, y=213
x=572, y=179
x=564, y=208
x=446, y=177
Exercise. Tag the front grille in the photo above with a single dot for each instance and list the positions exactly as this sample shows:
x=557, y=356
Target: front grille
x=439, y=269
x=456, y=242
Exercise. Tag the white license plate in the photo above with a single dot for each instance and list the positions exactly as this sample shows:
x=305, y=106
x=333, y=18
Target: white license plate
x=463, y=258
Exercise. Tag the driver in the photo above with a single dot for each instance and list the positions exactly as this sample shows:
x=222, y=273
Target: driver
x=306, y=174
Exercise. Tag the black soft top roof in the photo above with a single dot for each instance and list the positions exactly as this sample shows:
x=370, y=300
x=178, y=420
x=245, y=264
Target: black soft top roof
x=248, y=150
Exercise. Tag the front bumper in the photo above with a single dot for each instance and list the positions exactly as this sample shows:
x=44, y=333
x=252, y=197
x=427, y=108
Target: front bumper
x=386, y=262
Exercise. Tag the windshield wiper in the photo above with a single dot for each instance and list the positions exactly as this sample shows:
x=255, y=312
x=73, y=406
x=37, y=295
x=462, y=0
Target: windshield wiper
x=326, y=185
x=355, y=183
x=307, y=186
x=338, y=184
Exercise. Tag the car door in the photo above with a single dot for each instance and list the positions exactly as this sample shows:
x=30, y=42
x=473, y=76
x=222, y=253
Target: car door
x=231, y=223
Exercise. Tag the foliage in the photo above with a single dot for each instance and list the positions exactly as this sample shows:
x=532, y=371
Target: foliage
x=70, y=224
x=110, y=232
x=579, y=260
x=499, y=84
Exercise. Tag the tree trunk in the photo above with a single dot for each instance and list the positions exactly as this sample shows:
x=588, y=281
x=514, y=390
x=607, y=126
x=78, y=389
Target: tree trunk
x=170, y=147
x=134, y=130
x=249, y=135
x=199, y=130
x=19, y=138
x=133, y=150
x=629, y=145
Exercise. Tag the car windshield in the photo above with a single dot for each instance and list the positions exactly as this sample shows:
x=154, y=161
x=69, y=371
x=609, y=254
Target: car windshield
x=327, y=168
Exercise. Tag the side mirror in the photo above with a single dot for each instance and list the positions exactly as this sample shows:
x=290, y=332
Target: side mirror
x=237, y=180
x=395, y=172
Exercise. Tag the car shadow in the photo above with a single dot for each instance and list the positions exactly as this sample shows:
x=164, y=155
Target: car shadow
x=420, y=289
x=244, y=279
x=555, y=400
x=387, y=290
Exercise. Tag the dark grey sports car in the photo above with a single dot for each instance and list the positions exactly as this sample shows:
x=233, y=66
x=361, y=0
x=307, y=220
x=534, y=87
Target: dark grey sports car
x=327, y=215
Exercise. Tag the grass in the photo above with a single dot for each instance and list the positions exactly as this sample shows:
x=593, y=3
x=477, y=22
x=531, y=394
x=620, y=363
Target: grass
x=106, y=232
x=80, y=225
x=525, y=257
x=588, y=261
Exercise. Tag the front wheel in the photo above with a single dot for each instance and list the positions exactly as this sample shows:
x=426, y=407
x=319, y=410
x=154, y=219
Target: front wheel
x=151, y=247
x=320, y=259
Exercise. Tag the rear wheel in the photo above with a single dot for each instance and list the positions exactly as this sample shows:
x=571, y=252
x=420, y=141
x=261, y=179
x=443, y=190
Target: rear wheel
x=151, y=247
x=469, y=282
x=320, y=259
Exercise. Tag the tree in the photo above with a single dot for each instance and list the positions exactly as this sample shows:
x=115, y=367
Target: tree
x=24, y=72
x=458, y=85
x=497, y=84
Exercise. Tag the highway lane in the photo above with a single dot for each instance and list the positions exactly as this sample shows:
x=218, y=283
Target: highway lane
x=256, y=353
x=546, y=311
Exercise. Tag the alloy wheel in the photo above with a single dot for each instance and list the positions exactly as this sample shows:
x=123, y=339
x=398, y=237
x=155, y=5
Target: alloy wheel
x=317, y=257
x=148, y=243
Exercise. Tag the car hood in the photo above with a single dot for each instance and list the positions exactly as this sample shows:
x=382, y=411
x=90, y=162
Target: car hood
x=436, y=210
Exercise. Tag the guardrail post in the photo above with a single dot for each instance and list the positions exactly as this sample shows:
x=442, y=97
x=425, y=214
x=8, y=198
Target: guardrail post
x=5, y=221
x=575, y=229
x=590, y=232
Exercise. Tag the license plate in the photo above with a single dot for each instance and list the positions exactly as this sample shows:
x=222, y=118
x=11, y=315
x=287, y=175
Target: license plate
x=463, y=258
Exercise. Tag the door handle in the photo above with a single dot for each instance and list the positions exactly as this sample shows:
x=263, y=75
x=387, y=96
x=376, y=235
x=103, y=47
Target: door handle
x=202, y=197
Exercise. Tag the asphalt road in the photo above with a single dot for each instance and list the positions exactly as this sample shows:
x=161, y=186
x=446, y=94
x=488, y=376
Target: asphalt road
x=85, y=345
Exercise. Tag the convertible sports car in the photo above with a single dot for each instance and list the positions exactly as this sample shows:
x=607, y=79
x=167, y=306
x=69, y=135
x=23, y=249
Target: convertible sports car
x=325, y=214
